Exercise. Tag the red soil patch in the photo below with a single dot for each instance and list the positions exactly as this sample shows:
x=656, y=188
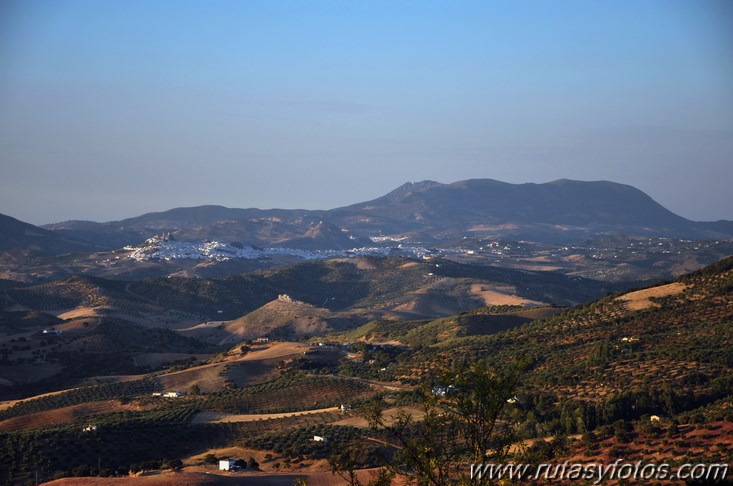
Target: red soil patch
x=65, y=415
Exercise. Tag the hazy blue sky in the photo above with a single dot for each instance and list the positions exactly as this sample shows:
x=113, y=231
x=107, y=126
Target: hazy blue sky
x=109, y=109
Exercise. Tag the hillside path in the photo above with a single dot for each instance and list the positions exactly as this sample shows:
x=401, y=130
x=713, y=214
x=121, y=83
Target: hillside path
x=219, y=418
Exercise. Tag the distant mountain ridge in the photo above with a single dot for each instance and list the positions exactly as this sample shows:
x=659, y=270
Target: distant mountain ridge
x=558, y=211
x=15, y=234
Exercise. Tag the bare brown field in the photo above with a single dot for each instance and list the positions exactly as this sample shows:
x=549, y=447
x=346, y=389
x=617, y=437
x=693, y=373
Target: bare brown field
x=257, y=366
x=445, y=296
x=220, y=418
x=524, y=444
x=195, y=477
x=277, y=350
x=167, y=478
x=641, y=299
x=234, y=452
x=210, y=331
x=500, y=296
x=495, y=227
x=360, y=263
x=65, y=415
x=211, y=377
x=156, y=360
x=317, y=471
x=389, y=415
x=540, y=259
x=202, y=325
x=207, y=377
x=78, y=313
x=7, y=404
x=244, y=373
x=286, y=318
x=533, y=267
x=106, y=379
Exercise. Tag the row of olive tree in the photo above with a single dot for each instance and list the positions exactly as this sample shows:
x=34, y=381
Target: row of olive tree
x=467, y=419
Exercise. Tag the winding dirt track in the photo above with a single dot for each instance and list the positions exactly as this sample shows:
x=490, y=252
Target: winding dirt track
x=219, y=418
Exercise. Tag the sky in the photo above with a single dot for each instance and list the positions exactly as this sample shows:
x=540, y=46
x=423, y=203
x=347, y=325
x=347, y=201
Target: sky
x=110, y=109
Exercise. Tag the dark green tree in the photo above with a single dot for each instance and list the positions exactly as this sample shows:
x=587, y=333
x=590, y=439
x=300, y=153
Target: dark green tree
x=454, y=430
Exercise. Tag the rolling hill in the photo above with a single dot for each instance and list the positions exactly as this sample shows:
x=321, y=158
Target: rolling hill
x=285, y=318
x=620, y=355
x=639, y=374
x=331, y=295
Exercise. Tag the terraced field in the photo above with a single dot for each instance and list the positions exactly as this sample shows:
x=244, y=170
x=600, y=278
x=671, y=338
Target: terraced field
x=65, y=415
x=290, y=395
x=214, y=377
x=221, y=418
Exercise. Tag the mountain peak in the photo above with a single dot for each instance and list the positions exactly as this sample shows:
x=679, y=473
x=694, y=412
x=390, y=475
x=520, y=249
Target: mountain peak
x=409, y=187
x=563, y=210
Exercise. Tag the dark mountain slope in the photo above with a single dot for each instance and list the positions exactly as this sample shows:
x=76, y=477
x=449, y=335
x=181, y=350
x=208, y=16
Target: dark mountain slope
x=15, y=234
x=558, y=211
x=466, y=205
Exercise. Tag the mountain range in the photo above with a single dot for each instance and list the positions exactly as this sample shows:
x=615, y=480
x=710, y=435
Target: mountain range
x=427, y=212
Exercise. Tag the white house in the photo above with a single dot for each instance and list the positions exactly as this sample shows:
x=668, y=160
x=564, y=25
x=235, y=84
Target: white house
x=318, y=438
x=89, y=428
x=439, y=391
x=172, y=394
x=226, y=464
x=442, y=391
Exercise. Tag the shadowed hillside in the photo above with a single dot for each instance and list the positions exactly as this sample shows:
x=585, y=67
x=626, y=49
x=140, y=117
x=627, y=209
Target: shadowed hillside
x=15, y=234
x=665, y=350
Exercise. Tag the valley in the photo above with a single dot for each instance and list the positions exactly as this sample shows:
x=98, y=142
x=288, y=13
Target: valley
x=146, y=350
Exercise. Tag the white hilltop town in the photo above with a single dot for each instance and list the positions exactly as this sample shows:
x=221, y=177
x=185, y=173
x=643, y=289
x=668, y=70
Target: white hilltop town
x=165, y=248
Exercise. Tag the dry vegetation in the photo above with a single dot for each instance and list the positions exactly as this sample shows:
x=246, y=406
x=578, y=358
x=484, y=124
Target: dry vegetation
x=643, y=299
x=66, y=415
x=594, y=375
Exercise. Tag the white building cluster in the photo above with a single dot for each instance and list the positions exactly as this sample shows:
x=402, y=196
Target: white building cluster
x=166, y=249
